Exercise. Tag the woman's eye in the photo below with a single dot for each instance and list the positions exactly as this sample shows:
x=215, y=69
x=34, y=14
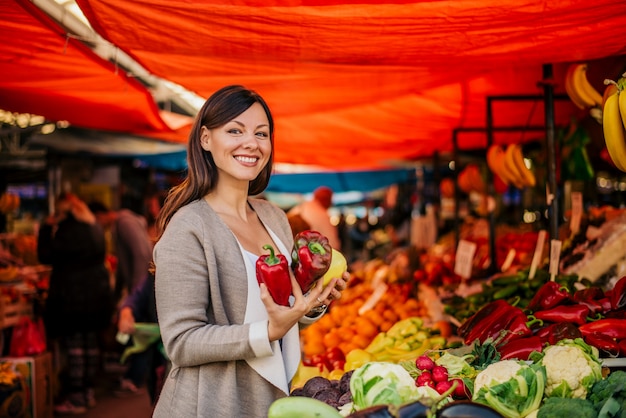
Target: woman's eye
x=234, y=131
x=263, y=134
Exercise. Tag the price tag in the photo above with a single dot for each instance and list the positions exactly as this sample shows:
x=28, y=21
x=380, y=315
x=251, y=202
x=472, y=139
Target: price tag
x=577, y=211
x=464, y=258
x=555, y=257
x=508, y=260
x=541, y=237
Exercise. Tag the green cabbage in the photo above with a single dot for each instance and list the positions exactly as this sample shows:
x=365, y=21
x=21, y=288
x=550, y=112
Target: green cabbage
x=380, y=383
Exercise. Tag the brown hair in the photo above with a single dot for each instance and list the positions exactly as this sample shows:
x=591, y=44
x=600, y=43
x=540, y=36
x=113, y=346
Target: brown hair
x=202, y=175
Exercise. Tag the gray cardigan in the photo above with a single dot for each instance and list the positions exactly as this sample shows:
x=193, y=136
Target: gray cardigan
x=201, y=290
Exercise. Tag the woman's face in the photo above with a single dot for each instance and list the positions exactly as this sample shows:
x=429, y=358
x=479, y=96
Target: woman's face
x=241, y=147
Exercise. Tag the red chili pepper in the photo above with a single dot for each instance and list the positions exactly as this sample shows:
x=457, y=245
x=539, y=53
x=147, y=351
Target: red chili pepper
x=618, y=294
x=554, y=333
x=549, y=295
x=604, y=344
x=311, y=257
x=611, y=327
x=273, y=270
x=594, y=298
x=565, y=313
x=622, y=348
x=519, y=327
x=520, y=348
x=488, y=321
x=480, y=318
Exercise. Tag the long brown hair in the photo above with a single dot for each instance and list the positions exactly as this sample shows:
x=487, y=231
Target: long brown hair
x=202, y=175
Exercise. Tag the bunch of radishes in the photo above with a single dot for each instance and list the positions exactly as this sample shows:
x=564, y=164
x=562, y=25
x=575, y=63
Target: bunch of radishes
x=436, y=376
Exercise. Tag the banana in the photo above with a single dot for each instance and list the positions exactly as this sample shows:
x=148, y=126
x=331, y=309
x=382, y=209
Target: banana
x=613, y=129
x=495, y=160
x=578, y=88
x=512, y=167
x=529, y=179
x=584, y=87
x=570, y=90
x=301, y=407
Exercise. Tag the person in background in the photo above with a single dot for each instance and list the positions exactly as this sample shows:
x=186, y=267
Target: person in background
x=132, y=245
x=315, y=213
x=79, y=303
x=133, y=249
x=233, y=350
x=140, y=306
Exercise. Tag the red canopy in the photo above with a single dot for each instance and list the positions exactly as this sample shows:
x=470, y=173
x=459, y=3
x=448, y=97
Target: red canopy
x=352, y=84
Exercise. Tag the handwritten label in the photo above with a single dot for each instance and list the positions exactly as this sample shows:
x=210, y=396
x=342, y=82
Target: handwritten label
x=464, y=258
x=541, y=237
x=555, y=257
x=577, y=211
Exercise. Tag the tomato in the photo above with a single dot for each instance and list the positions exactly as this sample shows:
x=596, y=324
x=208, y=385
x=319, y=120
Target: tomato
x=333, y=354
x=338, y=364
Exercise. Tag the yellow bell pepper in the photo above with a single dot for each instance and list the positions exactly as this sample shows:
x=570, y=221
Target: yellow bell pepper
x=356, y=358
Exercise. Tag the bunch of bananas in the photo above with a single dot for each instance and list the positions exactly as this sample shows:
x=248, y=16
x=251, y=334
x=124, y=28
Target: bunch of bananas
x=509, y=165
x=614, y=121
x=578, y=88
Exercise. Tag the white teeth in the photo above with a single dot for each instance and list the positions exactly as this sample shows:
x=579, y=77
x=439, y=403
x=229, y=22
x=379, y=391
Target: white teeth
x=246, y=159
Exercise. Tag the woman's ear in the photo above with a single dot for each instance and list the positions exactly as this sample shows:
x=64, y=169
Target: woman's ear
x=205, y=138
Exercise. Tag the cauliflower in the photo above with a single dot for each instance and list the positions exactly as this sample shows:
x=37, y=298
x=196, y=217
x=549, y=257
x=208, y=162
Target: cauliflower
x=572, y=367
x=513, y=388
x=498, y=372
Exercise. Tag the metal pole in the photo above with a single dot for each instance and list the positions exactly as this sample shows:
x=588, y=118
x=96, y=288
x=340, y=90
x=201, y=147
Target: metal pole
x=492, y=215
x=552, y=192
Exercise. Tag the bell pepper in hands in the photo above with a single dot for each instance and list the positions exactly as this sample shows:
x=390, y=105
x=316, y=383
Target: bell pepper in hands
x=548, y=296
x=273, y=270
x=311, y=258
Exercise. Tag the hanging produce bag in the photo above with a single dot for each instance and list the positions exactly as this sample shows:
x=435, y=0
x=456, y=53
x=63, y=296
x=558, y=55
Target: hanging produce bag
x=28, y=338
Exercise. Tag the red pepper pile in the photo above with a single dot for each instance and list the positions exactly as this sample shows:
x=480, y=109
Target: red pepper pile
x=554, y=313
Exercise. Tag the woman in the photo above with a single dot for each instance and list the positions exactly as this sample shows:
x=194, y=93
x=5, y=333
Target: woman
x=233, y=350
x=79, y=304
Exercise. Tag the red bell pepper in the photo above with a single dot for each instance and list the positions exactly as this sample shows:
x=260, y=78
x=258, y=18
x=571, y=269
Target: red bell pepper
x=618, y=294
x=554, y=333
x=520, y=348
x=519, y=327
x=622, y=348
x=549, y=295
x=311, y=257
x=606, y=345
x=576, y=314
x=273, y=270
x=611, y=327
x=594, y=298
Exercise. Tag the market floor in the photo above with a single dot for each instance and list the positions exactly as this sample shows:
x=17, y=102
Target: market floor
x=110, y=406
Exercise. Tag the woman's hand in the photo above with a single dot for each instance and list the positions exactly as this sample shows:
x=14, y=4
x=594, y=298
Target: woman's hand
x=282, y=318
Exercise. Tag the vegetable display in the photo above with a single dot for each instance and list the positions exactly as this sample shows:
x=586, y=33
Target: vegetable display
x=311, y=257
x=273, y=270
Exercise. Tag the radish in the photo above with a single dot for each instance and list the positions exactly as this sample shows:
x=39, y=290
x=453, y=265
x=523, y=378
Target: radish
x=443, y=387
x=459, y=390
x=424, y=362
x=425, y=379
x=440, y=374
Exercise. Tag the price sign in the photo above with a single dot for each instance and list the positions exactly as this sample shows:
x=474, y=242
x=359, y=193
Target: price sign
x=555, y=257
x=541, y=237
x=577, y=211
x=464, y=258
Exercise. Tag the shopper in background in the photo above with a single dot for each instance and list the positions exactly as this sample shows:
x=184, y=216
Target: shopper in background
x=315, y=213
x=132, y=245
x=133, y=249
x=140, y=306
x=79, y=303
x=233, y=349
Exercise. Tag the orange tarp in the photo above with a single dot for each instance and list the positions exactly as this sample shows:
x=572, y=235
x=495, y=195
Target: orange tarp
x=351, y=84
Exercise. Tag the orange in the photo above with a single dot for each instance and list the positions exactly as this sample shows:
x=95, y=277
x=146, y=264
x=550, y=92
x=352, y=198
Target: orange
x=332, y=339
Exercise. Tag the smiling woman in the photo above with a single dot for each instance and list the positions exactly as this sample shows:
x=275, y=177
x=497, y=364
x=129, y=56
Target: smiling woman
x=220, y=327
